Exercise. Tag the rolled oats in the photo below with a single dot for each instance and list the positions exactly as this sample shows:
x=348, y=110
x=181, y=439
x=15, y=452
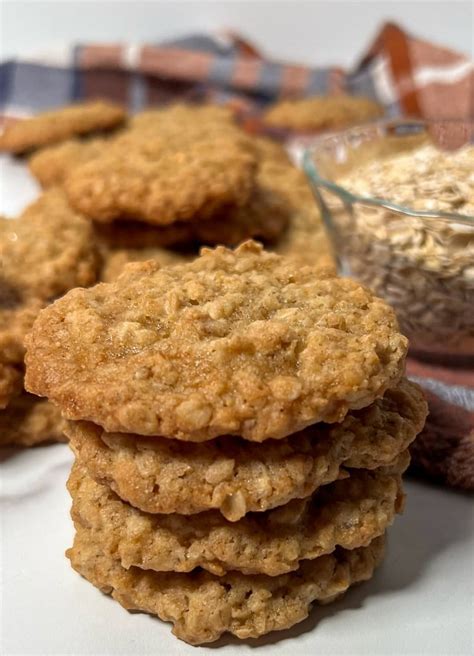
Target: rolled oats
x=422, y=267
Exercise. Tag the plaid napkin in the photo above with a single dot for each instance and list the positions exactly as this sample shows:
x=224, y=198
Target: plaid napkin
x=407, y=75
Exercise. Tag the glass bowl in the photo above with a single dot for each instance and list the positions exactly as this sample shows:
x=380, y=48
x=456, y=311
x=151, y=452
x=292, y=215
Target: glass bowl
x=421, y=261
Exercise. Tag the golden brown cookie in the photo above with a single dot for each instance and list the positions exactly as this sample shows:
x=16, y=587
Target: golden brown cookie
x=59, y=124
x=11, y=383
x=349, y=513
x=237, y=342
x=16, y=320
x=165, y=178
x=179, y=116
x=265, y=216
x=28, y=421
x=305, y=239
x=53, y=164
x=322, y=112
x=202, y=606
x=48, y=250
x=269, y=150
x=228, y=474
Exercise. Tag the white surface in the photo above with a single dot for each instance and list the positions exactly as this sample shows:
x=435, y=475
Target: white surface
x=17, y=186
x=420, y=601
x=317, y=32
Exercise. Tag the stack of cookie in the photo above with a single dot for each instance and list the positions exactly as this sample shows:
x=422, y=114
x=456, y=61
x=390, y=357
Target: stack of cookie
x=47, y=251
x=240, y=426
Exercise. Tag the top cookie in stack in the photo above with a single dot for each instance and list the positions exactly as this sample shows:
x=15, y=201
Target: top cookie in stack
x=240, y=426
x=235, y=343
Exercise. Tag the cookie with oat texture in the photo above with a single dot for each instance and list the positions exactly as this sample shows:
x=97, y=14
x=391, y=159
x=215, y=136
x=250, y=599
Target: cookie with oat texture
x=48, y=250
x=202, y=606
x=60, y=124
x=234, y=476
x=162, y=178
x=51, y=165
x=349, y=513
x=29, y=421
x=237, y=342
x=322, y=112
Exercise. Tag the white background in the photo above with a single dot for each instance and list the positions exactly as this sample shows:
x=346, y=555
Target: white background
x=318, y=32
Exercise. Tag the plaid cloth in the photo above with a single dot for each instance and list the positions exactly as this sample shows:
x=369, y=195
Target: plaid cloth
x=405, y=74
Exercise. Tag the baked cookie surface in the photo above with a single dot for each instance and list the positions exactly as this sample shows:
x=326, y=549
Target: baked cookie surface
x=11, y=383
x=349, y=513
x=28, y=421
x=234, y=476
x=60, y=124
x=265, y=216
x=202, y=607
x=236, y=342
x=51, y=165
x=48, y=250
x=322, y=112
x=163, y=178
x=16, y=319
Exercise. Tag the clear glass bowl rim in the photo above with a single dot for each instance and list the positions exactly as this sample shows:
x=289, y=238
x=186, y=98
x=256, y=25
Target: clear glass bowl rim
x=348, y=197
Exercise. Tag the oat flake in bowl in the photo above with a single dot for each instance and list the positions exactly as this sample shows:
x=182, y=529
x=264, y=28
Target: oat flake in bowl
x=400, y=212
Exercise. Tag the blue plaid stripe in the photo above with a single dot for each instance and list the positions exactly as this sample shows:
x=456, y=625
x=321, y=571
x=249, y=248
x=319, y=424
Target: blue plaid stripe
x=270, y=79
x=35, y=87
x=221, y=70
x=318, y=82
x=6, y=77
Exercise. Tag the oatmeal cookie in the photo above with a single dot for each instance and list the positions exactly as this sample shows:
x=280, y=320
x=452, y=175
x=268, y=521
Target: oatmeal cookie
x=228, y=474
x=322, y=112
x=349, y=513
x=269, y=150
x=179, y=116
x=51, y=165
x=48, y=250
x=265, y=216
x=202, y=606
x=11, y=383
x=236, y=477
x=29, y=421
x=234, y=343
x=61, y=124
x=305, y=239
x=16, y=320
x=162, y=179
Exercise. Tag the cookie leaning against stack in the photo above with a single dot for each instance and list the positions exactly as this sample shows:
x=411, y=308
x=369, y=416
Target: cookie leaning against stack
x=48, y=250
x=207, y=490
